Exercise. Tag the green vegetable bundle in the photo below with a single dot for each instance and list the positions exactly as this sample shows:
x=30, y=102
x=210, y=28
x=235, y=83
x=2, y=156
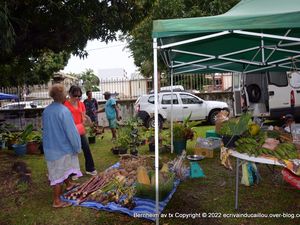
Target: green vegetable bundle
x=148, y=191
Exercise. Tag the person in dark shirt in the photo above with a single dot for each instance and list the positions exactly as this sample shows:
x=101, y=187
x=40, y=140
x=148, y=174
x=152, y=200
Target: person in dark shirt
x=91, y=107
x=288, y=121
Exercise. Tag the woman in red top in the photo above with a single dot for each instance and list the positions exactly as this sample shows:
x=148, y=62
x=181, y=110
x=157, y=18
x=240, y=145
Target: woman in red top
x=77, y=109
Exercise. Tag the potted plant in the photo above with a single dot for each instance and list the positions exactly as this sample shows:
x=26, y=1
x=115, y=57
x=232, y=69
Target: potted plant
x=122, y=143
x=183, y=131
x=21, y=140
x=7, y=137
x=4, y=128
x=164, y=139
x=149, y=137
x=34, y=142
x=91, y=131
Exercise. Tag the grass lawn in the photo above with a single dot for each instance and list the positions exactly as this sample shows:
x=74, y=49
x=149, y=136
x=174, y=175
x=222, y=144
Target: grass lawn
x=22, y=204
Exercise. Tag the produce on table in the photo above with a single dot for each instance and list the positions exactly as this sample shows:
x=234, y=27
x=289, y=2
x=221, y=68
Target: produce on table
x=253, y=129
x=266, y=143
x=270, y=143
x=235, y=126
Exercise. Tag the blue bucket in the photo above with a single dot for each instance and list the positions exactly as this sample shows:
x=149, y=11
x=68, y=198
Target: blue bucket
x=20, y=150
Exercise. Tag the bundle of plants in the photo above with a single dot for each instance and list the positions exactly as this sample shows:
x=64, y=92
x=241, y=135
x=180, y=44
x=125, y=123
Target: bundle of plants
x=115, y=191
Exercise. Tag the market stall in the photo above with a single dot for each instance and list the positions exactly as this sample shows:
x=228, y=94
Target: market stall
x=129, y=187
x=249, y=143
x=256, y=35
x=294, y=165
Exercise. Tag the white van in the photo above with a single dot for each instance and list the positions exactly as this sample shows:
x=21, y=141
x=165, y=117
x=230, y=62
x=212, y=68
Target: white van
x=267, y=94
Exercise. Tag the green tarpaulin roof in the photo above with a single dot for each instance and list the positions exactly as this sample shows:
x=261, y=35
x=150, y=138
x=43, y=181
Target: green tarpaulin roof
x=253, y=35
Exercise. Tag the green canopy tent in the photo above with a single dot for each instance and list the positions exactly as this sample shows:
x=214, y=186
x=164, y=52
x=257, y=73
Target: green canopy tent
x=255, y=35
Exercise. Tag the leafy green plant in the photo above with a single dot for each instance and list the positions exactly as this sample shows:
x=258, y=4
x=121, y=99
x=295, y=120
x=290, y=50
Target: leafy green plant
x=184, y=130
x=22, y=138
x=124, y=138
x=235, y=126
x=164, y=136
x=5, y=131
x=35, y=136
x=19, y=137
x=90, y=131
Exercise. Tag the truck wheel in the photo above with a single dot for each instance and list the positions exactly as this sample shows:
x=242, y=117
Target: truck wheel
x=212, y=117
x=144, y=116
x=151, y=123
x=254, y=93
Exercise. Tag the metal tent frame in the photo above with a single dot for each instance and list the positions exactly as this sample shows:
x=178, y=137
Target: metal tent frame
x=277, y=45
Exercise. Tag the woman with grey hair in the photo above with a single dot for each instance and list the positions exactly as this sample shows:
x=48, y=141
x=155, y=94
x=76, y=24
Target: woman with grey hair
x=61, y=143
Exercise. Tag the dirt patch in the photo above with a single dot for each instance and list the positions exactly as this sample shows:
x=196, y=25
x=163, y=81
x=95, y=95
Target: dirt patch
x=11, y=181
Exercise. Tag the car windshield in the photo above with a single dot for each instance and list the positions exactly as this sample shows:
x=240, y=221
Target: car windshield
x=151, y=99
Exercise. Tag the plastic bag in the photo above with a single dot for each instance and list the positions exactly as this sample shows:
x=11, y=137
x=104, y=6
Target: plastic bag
x=250, y=174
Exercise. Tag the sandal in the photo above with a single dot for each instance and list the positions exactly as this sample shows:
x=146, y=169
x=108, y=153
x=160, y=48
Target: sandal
x=62, y=205
x=74, y=185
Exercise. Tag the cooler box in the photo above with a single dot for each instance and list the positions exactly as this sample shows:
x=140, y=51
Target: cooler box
x=211, y=133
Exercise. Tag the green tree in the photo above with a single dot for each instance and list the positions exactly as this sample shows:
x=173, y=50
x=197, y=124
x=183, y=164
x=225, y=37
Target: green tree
x=33, y=27
x=34, y=70
x=140, y=41
x=90, y=80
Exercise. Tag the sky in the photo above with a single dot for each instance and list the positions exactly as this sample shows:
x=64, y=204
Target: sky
x=102, y=56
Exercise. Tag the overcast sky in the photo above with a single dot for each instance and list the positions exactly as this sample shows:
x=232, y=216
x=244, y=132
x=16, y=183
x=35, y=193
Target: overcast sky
x=102, y=56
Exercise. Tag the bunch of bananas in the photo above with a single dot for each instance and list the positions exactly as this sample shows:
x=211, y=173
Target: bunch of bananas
x=286, y=151
x=253, y=147
x=249, y=145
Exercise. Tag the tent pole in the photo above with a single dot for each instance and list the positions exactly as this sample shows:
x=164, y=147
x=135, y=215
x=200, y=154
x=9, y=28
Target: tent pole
x=193, y=53
x=172, y=135
x=181, y=64
x=156, y=131
x=282, y=50
x=262, y=51
x=282, y=60
x=276, y=46
x=195, y=39
x=266, y=35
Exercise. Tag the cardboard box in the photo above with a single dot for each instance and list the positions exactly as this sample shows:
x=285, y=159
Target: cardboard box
x=208, y=153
